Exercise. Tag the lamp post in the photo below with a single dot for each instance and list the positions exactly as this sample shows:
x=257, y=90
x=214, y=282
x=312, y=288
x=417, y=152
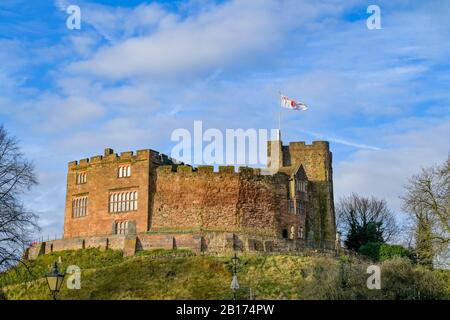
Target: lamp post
x=54, y=280
x=234, y=283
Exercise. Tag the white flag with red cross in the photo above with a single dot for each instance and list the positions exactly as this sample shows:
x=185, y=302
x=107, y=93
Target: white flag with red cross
x=292, y=104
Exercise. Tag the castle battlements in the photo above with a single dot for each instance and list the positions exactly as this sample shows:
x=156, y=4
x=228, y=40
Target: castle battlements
x=314, y=144
x=303, y=144
x=126, y=156
x=206, y=169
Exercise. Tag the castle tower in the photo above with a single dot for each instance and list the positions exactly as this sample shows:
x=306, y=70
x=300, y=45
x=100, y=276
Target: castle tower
x=316, y=160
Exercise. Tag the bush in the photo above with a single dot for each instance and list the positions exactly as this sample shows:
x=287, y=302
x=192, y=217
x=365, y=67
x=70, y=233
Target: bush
x=389, y=251
x=378, y=251
x=371, y=250
x=402, y=280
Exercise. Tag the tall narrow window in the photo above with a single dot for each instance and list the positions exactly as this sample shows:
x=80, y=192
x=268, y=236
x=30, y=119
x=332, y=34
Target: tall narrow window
x=122, y=227
x=111, y=203
x=299, y=207
x=292, y=233
x=300, y=185
x=135, y=200
x=124, y=171
x=123, y=201
x=79, y=206
x=300, y=232
x=291, y=206
x=81, y=177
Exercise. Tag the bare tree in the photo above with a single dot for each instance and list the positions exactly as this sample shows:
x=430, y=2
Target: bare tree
x=16, y=222
x=427, y=200
x=362, y=220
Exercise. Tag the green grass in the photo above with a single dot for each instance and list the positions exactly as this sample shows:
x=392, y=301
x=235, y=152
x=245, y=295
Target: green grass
x=172, y=274
x=85, y=259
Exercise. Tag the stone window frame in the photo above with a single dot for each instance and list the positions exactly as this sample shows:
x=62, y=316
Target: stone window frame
x=124, y=171
x=121, y=227
x=299, y=207
x=291, y=206
x=300, y=233
x=292, y=233
x=301, y=185
x=123, y=201
x=81, y=177
x=80, y=206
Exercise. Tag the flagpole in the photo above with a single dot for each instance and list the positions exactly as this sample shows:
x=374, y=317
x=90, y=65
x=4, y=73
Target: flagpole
x=279, y=118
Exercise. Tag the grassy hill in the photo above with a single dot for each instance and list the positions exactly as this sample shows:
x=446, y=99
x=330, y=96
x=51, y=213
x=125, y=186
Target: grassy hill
x=178, y=274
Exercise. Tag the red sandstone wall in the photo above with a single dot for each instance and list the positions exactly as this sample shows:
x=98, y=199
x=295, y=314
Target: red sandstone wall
x=262, y=204
x=316, y=159
x=214, y=242
x=195, y=200
x=221, y=201
x=101, y=179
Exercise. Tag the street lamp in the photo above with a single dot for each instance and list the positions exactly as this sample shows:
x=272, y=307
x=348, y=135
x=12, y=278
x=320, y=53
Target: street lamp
x=54, y=280
x=234, y=283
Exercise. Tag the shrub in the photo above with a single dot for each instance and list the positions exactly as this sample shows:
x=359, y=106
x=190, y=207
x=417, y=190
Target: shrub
x=389, y=251
x=378, y=251
x=371, y=250
x=402, y=280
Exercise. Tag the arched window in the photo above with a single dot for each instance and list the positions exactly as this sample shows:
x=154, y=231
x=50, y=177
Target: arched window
x=122, y=227
x=124, y=171
x=285, y=233
x=120, y=202
x=111, y=203
x=79, y=206
x=131, y=201
x=123, y=201
x=292, y=233
x=127, y=201
x=81, y=177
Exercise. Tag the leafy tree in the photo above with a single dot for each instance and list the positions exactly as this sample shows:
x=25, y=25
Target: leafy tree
x=16, y=222
x=362, y=220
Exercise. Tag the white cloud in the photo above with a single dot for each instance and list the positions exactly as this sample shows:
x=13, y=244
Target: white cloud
x=51, y=113
x=383, y=173
x=232, y=33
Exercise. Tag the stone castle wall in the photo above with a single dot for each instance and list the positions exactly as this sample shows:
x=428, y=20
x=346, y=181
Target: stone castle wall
x=316, y=160
x=174, y=198
x=102, y=178
x=211, y=242
x=243, y=201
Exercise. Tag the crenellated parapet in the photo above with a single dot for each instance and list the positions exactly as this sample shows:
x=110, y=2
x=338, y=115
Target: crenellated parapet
x=110, y=156
x=208, y=170
x=325, y=145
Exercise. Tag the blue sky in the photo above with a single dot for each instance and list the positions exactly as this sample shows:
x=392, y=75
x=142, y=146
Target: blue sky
x=138, y=70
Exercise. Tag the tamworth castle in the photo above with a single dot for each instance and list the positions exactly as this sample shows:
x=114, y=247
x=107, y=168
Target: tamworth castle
x=144, y=200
